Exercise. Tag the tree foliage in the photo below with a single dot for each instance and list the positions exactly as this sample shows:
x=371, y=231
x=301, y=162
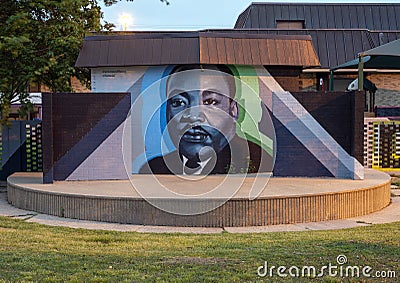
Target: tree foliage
x=111, y=2
x=40, y=41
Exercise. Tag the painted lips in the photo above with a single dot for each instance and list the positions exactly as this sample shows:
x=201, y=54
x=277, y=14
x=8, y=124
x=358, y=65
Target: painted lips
x=195, y=135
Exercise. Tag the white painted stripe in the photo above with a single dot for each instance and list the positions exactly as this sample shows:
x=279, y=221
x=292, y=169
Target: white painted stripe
x=308, y=131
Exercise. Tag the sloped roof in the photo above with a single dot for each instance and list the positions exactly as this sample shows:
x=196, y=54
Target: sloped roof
x=202, y=47
x=336, y=46
x=339, y=31
x=389, y=49
x=386, y=56
x=373, y=16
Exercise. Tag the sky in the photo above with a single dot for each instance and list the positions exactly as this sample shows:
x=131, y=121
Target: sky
x=188, y=14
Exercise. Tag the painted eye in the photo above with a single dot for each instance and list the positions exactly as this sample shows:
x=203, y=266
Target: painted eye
x=210, y=101
x=177, y=103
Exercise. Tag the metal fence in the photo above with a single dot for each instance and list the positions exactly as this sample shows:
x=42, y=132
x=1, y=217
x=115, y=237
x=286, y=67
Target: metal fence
x=382, y=144
x=21, y=148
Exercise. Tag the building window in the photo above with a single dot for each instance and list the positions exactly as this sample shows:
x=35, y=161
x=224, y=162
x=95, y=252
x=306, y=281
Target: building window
x=290, y=24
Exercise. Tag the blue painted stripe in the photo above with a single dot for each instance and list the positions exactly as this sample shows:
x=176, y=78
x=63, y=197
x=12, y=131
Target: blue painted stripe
x=153, y=117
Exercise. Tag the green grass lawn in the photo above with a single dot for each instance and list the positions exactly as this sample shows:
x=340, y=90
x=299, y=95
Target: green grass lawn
x=33, y=252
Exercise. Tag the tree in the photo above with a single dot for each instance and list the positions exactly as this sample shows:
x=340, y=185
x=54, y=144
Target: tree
x=110, y=2
x=39, y=42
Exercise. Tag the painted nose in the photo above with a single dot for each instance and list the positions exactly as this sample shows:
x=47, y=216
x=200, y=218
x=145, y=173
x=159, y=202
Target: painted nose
x=194, y=114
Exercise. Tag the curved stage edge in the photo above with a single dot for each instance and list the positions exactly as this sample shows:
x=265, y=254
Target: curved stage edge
x=283, y=201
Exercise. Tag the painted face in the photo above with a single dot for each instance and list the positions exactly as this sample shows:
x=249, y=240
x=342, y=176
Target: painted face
x=201, y=114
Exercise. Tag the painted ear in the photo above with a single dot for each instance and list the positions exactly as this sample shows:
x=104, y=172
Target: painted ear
x=234, y=109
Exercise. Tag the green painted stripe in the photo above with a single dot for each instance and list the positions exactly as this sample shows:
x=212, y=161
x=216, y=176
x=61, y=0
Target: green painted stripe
x=250, y=112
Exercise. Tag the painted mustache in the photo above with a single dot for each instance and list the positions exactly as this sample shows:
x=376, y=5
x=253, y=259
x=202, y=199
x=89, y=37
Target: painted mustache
x=195, y=134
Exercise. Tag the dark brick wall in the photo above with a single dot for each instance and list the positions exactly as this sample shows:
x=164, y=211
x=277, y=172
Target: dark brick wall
x=75, y=124
x=292, y=158
x=342, y=116
x=287, y=78
x=67, y=118
x=47, y=135
x=78, y=113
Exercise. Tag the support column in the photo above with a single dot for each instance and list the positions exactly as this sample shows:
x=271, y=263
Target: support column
x=360, y=73
x=331, y=81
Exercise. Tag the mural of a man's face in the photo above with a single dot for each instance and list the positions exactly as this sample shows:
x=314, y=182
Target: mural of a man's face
x=201, y=112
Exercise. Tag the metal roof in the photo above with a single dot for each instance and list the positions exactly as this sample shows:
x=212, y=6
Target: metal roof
x=389, y=49
x=202, y=47
x=386, y=56
x=339, y=31
x=335, y=46
x=373, y=16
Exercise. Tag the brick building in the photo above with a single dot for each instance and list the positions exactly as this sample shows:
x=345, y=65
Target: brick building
x=339, y=32
x=126, y=109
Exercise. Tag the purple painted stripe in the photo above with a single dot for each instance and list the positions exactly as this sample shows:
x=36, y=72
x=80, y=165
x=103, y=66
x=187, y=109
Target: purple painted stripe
x=80, y=151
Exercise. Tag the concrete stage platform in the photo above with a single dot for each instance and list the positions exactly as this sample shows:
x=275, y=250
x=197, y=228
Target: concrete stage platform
x=283, y=200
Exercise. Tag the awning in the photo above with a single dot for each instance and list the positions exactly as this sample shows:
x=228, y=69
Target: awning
x=386, y=56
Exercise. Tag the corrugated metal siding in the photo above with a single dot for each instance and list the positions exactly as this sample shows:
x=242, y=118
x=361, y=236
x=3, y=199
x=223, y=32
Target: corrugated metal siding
x=320, y=16
x=208, y=47
x=335, y=46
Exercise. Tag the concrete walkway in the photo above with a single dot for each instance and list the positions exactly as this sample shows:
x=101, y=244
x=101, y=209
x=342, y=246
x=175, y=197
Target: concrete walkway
x=386, y=215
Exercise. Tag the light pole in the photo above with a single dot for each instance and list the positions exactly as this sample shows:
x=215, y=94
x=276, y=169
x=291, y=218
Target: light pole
x=125, y=20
